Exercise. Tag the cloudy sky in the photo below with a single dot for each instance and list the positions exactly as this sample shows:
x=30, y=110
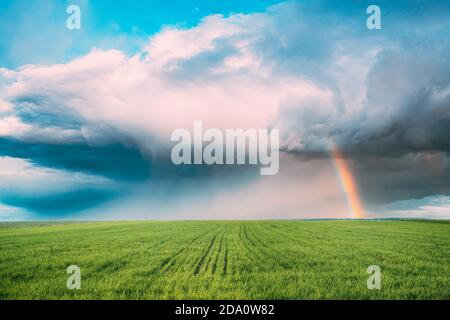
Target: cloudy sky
x=86, y=115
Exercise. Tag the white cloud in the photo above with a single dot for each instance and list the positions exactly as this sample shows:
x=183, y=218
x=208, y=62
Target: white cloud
x=8, y=213
x=145, y=99
x=435, y=207
x=243, y=71
x=20, y=177
x=12, y=126
x=5, y=107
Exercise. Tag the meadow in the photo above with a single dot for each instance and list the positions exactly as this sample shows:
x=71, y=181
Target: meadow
x=226, y=259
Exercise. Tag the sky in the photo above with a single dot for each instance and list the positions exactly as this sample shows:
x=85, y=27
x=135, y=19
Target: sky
x=86, y=115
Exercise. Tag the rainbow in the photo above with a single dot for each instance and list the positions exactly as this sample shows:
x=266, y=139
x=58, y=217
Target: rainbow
x=348, y=183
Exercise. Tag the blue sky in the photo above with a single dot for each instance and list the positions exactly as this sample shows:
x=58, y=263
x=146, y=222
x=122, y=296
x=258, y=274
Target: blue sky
x=120, y=24
x=86, y=115
x=127, y=25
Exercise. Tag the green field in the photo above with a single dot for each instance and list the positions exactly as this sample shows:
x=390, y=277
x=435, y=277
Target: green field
x=226, y=259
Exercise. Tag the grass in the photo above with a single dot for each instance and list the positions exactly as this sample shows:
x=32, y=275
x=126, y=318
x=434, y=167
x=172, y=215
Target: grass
x=226, y=259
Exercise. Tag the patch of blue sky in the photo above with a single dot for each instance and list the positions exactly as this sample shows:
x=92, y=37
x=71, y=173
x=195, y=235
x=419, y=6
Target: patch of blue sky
x=34, y=31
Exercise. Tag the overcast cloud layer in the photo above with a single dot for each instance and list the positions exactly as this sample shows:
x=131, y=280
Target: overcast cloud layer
x=90, y=137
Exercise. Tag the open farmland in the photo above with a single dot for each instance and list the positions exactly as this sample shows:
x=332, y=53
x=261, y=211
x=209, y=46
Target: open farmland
x=226, y=259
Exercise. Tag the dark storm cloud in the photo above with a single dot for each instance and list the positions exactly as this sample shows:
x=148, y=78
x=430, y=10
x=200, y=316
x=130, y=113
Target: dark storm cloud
x=117, y=162
x=413, y=176
x=408, y=102
x=406, y=107
x=111, y=161
x=399, y=141
x=60, y=204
